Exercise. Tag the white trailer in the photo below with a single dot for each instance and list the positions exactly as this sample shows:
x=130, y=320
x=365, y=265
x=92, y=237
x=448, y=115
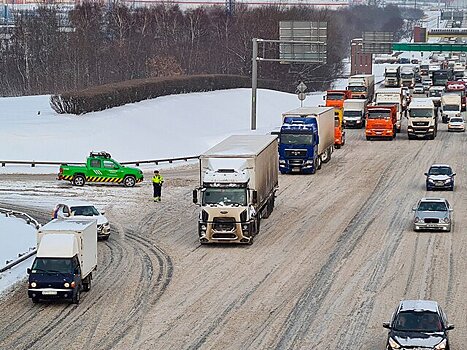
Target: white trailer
x=66, y=257
x=354, y=112
x=238, y=182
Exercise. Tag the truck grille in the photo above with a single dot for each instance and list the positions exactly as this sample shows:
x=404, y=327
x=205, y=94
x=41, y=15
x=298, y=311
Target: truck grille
x=295, y=153
x=431, y=221
x=224, y=225
x=421, y=123
x=224, y=235
x=295, y=162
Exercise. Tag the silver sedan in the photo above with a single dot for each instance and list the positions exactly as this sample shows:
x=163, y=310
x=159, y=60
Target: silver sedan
x=433, y=214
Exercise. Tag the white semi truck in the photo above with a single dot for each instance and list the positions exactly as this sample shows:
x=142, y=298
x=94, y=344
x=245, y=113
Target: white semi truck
x=422, y=119
x=451, y=106
x=354, y=113
x=362, y=86
x=392, y=75
x=238, y=183
x=66, y=257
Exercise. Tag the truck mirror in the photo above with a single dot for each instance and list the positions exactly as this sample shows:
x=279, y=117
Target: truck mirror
x=195, y=196
x=28, y=270
x=254, y=197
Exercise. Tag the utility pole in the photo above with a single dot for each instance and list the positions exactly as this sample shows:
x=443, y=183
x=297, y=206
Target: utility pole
x=254, y=81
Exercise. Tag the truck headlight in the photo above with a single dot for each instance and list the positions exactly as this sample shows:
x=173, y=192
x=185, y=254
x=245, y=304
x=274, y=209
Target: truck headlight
x=66, y=285
x=442, y=345
x=282, y=162
x=245, y=227
x=33, y=284
x=203, y=227
x=393, y=344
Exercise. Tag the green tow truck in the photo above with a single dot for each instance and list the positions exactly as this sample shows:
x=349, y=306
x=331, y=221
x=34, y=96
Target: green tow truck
x=100, y=167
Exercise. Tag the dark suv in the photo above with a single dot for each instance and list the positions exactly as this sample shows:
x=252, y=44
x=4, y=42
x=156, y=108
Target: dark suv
x=439, y=177
x=418, y=324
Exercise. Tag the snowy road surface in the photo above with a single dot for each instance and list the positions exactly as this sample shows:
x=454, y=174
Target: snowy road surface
x=329, y=266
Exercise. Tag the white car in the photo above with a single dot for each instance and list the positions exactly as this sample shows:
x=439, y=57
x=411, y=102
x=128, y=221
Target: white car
x=418, y=89
x=456, y=124
x=81, y=209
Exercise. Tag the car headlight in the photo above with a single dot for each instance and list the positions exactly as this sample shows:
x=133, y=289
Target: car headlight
x=442, y=345
x=447, y=220
x=393, y=344
x=448, y=180
x=106, y=224
x=33, y=284
x=66, y=285
x=417, y=219
x=431, y=181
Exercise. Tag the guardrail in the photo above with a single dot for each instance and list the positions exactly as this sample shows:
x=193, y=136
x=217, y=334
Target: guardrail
x=30, y=221
x=33, y=163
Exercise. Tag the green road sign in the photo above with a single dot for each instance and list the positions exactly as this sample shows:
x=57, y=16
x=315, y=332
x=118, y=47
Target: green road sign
x=429, y=47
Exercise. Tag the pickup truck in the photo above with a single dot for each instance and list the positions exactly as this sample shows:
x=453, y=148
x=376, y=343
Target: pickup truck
x=100, y=167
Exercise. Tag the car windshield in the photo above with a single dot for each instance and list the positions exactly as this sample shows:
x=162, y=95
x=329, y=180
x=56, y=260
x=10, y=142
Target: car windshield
x=296, y=139
x=435, y=93
x=424, y=113
x=379, y=114
x=451, y=108
x=52, y=265
x=357, y=88
x=432, y=206
x=225, y=196
x=440, y=170
x=88, y=210
x=456, y=120
x=418, y=321
x=334, y=96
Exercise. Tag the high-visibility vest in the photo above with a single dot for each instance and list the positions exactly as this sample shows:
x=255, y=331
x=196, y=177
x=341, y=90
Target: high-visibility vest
x=158, y=179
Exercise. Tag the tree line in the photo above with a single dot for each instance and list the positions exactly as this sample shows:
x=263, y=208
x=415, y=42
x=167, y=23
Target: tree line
x=50, y=51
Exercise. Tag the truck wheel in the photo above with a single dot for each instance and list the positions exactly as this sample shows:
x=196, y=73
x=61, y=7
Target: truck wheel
x=337, y=146
x=129, y=181
x=78, y=180
x=87, y=284
x=319, y=163
x=368, y=138
x=76, y=298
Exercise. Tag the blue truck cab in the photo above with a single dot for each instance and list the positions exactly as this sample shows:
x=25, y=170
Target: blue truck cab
x=298, y=141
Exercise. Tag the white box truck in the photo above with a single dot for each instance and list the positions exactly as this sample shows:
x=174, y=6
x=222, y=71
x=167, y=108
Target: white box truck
x=238, y=183
x=354, y=113
x=66, y=257
x=422, y=120
x=451, y=106
x=392, y=75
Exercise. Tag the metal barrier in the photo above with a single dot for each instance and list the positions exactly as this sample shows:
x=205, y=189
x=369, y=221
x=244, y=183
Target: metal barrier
x=30, y=221
x=136, y=162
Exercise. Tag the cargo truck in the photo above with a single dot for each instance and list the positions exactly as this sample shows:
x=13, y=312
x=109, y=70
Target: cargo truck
x=422, y=119
x=381, y=122
x=390, y=97
x=392, y=75
x=336, y=98
x=339, y=133
x=408, y=76
x=362, y=86
x=306, y=139
x=238, y=183
x=458, y=88
x=65, y=260
x=354, y=113
x=441, y=77
x=450, y=106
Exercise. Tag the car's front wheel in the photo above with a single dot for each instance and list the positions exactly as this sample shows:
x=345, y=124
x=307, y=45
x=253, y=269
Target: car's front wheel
x=79, y=180
x=129, y=181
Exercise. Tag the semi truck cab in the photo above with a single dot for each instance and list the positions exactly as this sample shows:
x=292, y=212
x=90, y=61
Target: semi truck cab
x=422, y=121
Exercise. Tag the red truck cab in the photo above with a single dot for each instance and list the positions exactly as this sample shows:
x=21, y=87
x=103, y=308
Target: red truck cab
x=381, y=122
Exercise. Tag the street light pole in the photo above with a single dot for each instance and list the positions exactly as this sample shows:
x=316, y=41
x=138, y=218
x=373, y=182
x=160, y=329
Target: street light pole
x=254, y=82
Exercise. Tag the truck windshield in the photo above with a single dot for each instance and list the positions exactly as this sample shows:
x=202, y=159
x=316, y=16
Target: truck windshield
x=391, y=75
x=407, y=75
x=334, y=96
x=88, y=210
x=225, y=196
x=451, y=108
x=379, y=114
x=352, y=113
x=423, y=113
x=358, y=88
x=60, y=265
x=296, y=139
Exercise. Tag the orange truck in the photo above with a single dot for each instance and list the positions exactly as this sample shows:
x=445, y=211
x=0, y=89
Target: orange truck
x=339, y=133
x=381, y=122
x=336, y=98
